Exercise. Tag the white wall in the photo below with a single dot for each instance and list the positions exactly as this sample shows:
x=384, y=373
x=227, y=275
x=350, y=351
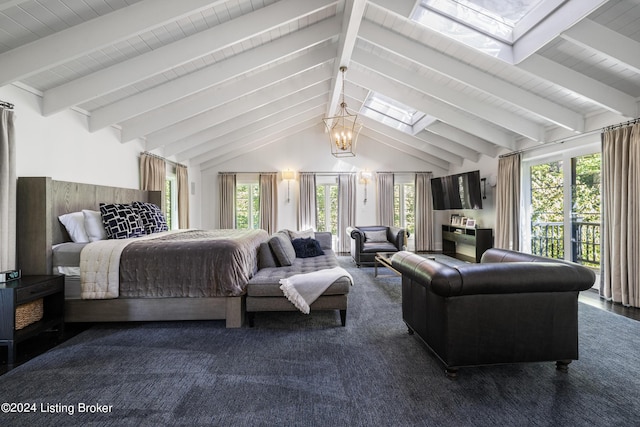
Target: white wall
x=61, y=147
x=309, y=151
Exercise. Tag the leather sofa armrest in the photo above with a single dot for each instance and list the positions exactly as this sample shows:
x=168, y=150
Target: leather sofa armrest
x=396, y=235
x=355, y=232
x=358, y=236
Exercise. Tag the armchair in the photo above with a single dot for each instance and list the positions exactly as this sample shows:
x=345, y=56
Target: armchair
x=367, y=240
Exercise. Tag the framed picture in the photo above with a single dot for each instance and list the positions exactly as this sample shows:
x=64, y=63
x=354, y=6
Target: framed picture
x=463, y=221
x=455, y=219
x=471, y=223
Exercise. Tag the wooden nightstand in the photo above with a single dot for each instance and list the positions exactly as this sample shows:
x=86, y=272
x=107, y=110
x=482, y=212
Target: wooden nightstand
x=25, y=290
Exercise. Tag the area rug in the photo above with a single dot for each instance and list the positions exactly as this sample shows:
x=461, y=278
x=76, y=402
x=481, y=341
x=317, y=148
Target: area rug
x=307, y=370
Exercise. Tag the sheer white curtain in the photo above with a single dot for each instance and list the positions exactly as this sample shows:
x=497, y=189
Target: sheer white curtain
x=153, y=175
x=508, y=203
x=384, y=190
x=268, y=201
x=346, y=209
x=182, y=179
x=307, y=201
x=620, y=278
x=227, y=185
x=7, y=190
x=424, y=212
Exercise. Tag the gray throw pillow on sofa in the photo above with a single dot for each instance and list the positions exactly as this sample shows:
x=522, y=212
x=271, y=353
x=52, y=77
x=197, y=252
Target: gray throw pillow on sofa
x=375, y=236
x=281, y=246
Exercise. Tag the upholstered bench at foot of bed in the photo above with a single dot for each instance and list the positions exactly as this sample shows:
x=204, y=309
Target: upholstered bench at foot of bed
x=264, y=293
x=269, y=297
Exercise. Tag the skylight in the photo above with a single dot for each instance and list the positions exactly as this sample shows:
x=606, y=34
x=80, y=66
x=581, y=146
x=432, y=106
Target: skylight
x=394, y=114
x=492, y=26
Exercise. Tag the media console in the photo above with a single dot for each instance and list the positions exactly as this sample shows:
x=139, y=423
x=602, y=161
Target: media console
x=480, y=239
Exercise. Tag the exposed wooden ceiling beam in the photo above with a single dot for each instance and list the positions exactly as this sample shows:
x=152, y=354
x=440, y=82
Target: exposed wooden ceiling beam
x=215, y=74
x=599, y=93
x=566, y=16
x=240, y=121
x=256, y=129
x=215, y=96
x=440, y=164
x=197, y=129
x=94, y=34
x=433, y=107
x=267, y=136
x=179, y=52
x=498, y=116
x=412, y=141
x=594, y=36
x=352, y=17
x=471, y=76
x=463, y=138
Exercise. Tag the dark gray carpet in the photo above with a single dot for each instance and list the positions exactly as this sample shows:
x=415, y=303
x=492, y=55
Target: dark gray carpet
x=293, y=369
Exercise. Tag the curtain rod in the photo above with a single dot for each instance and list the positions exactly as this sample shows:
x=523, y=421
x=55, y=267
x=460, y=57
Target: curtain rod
x=252, y=173
x=337, y=173
x=570, y=138
x=162, y=158
x=403, y=171
x=5, y=104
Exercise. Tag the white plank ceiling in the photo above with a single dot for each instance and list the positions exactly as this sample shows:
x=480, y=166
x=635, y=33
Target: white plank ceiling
x=206, y=81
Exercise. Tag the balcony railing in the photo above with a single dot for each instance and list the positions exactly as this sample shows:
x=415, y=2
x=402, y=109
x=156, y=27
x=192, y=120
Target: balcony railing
x=547, y=239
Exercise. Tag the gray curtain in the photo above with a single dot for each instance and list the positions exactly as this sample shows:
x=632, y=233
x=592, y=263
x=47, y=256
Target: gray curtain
x=153, y=175
x=307, y=201
x=384, y=191
x=346, y=209
x=268, y=202
x=227, y=187
x=508, y=203
x=424, y=212
x=620, y=278
x=182, y=179
x=7, y=190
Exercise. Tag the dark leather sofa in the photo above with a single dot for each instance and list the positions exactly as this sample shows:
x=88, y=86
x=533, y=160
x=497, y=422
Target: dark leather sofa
x=366, y=241
x=511, y=307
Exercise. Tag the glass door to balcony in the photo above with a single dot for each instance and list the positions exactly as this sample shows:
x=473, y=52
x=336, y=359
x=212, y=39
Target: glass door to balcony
x=563, y=204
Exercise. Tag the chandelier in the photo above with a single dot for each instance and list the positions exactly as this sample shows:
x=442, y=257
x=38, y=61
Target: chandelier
x=343, y=128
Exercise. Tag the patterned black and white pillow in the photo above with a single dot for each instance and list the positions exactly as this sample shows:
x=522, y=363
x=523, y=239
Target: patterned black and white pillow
x=152, y=218
x=120, y=221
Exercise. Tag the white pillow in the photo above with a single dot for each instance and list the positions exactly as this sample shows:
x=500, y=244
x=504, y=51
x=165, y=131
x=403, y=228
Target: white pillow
x=74, y=223
x=93, y=225
x=304, y=234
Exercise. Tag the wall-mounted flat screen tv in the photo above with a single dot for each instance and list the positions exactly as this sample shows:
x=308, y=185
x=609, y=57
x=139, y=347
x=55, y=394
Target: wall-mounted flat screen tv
x=460, y=191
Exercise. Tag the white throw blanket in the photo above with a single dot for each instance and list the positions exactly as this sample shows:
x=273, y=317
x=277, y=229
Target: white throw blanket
x=100, y=266
x=303, y=289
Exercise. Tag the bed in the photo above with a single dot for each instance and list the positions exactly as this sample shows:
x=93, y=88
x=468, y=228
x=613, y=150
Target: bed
x=191, y=289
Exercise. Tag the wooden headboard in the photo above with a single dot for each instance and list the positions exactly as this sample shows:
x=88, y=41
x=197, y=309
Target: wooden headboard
x=40, y=200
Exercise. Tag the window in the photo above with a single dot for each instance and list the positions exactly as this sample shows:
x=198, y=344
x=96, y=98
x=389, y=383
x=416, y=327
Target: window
x=491, y=27
x=248, y=206
x=327, y=208
x=404, y=207
x=563, y=203
x=395, y=114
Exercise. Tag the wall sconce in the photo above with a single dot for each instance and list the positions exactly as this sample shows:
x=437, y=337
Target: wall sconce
x=288, y=176
x=365, y=178
x=492, y=182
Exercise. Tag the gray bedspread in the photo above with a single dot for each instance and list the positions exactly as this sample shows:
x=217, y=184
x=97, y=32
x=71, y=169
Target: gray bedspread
x=193, y=263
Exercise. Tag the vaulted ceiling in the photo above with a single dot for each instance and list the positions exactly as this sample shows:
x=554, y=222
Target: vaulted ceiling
x=206, y=81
